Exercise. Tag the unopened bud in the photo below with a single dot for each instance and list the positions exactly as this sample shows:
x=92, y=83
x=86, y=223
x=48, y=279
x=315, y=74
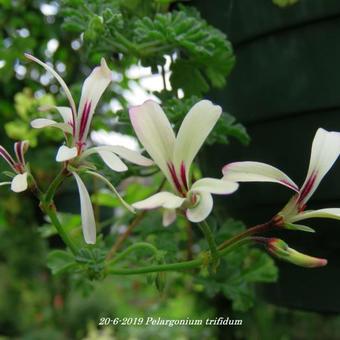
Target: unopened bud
x=280, y=249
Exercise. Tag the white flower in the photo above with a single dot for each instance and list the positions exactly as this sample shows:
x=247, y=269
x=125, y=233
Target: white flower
x=174, y=156
x=19, y=181
x=325, y=151
x=77, y=124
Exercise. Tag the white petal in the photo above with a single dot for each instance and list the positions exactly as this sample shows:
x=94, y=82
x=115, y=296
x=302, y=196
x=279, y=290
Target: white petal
x=169, y=216
x=87, y=216
x=112, y=188
x=321, y=213
x=59, y=79
x=202, y=210
x=154, y=131
x=194, y=130
x=112, y=161
x=65, y=112
x=43, y=122
x=215, y=186
x=256, y=172
x=19, y=183
x=130, y=155
x=325, y=151
x=65, y=153
x=93, y=88
x=163, y=199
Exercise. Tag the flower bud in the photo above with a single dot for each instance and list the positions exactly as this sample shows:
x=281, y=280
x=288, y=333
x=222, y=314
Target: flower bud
x=280, y=249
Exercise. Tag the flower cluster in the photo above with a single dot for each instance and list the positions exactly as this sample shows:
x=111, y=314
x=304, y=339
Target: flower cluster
x=174, y=155
x=325, y=151
x=19, y=166
x=76, y=127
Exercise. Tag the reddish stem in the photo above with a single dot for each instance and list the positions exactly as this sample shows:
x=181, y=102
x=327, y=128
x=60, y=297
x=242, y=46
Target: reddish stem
x=276, y=221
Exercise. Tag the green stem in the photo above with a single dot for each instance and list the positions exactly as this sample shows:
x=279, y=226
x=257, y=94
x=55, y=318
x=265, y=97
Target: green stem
x=49, y=209
x=211, y=242
x=251, y=231
x=173, y=266
x=54, y=186
x=129, y=250
x=52, y=214
x=34, y=188
x=164, y=79
x=157, y=268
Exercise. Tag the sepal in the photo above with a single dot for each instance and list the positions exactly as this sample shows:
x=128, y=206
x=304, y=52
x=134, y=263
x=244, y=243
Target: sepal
x=293, y=226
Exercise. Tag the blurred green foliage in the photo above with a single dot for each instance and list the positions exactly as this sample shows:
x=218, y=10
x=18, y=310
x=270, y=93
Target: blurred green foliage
x=285, y=3
x=27, y=108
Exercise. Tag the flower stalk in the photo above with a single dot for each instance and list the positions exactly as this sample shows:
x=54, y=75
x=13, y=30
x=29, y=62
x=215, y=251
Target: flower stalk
x=178, y=266
x=324, y=152
x=49, y=195
x=48, y=207
x=76, y=127
x=50, y=211
x=134, y=247
x=204, y=226
x=260, y=228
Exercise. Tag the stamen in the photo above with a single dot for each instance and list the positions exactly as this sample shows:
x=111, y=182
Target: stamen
x=19, y=151
x=84, y=120
x=80, y=146
x=178, y=186
x=183, y=176
x=301, y=207
x=193, y=199
x=19, y=168
x=7, y=157
x=307, y=187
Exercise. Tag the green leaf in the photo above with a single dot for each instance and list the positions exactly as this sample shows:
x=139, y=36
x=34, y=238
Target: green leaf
x=204, y=55
x=60, y=261
x=187, y=77
x=204, y=52
x=92, y=259
x=259, y=267
x=227, y=126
